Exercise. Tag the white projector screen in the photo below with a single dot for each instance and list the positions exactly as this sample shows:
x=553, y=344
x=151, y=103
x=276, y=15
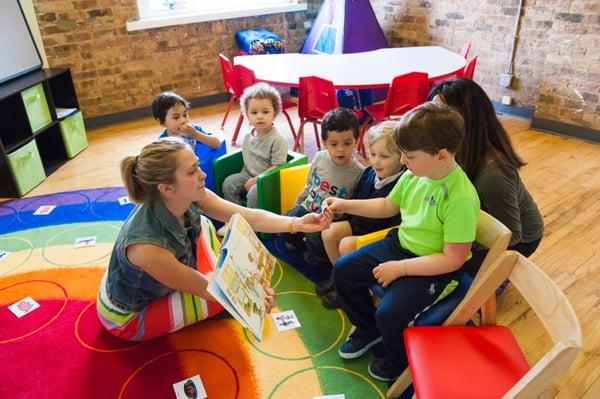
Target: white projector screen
x=18, y=53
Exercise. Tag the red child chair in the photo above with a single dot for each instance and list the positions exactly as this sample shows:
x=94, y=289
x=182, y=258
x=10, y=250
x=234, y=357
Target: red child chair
x=404, y=93
x=469, y=70
x=316, y=96
x=227, y=75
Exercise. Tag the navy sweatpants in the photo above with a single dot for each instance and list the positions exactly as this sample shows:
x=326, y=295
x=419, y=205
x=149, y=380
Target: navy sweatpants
x=404, y=298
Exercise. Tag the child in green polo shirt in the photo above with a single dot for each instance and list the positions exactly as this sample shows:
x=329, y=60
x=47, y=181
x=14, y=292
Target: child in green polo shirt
x=439, y=208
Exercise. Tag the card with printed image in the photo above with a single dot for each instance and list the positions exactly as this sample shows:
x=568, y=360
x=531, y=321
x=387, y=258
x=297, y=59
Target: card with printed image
x=124, y=201
x=190, y=388
x=4, y=255
x=85, y=242
x=285, y=320
x=44, y=210
x=23, y=307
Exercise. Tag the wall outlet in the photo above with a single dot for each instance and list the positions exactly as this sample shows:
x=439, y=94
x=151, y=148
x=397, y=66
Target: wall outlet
x=505, y=80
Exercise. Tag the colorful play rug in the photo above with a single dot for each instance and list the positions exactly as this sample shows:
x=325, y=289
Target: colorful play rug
x=61, y=351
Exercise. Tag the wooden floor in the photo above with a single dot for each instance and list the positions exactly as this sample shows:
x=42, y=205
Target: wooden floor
x=563, y=175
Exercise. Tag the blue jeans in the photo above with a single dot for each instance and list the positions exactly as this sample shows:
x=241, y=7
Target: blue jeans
x=404, y=298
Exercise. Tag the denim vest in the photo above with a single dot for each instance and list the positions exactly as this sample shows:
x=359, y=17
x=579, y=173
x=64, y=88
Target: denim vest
x=128, y=286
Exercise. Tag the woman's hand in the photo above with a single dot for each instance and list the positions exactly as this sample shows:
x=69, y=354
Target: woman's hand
x=249, y=183
x=389, y=271
x=312, y=222
x=269, y=298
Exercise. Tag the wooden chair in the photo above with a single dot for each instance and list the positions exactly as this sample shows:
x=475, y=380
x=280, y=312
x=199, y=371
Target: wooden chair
x=491, y=234
x=488, y=359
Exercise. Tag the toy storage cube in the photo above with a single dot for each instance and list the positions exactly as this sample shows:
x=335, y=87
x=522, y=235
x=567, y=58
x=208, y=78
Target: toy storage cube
x=206, y=155
x=26, y=167
x=73, y=134
x=36, y=107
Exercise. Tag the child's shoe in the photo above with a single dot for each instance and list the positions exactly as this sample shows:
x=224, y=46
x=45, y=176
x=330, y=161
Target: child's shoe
x=331, y=300
x=382, y=370
x=324, y=287
x=358, y=343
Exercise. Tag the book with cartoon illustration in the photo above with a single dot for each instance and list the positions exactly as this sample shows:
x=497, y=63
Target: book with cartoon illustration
x=242, y=267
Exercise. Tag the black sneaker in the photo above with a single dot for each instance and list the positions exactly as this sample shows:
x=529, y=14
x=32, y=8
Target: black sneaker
x=324, y=287
x=357, y=345
x=380, y=369
x=331, y=300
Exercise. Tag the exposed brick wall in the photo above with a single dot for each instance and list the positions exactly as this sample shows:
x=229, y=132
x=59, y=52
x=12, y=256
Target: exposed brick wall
x=557, y=62
x=115, y=70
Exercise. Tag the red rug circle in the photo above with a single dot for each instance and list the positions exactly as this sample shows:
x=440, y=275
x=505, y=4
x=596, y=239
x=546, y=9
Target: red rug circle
x=51, y=296
x=156, y=377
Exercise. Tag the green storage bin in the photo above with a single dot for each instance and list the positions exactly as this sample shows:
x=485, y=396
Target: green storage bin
x=73, y=134
x=26, y=167
x=36, y=107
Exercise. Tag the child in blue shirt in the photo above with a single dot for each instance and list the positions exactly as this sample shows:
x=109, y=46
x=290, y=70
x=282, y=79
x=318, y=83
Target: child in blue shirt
x=172, y=112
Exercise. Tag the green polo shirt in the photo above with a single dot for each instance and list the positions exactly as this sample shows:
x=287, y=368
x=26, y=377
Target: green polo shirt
x=435, y=212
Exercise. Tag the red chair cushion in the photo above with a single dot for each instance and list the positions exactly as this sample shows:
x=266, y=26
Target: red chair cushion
x=463, y=362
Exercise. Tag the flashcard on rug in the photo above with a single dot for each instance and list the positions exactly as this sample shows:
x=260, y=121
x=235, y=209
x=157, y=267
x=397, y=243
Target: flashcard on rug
x=190, y=388
x=339, y=396
x=44, y=209
x=24, y=306
x=285, y=320
x=85, y=242
x=4, y=255
x=124, y=201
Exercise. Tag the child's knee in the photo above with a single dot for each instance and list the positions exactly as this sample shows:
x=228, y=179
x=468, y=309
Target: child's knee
x=347, y=245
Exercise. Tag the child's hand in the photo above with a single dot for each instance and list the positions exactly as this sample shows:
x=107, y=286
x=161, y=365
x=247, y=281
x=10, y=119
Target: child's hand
x=186, y=128
x=389, y=271
x=333, y=205
x=249, y=183
x=269, y=298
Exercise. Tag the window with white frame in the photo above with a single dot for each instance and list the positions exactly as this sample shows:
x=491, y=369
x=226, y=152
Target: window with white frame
x=157, y=13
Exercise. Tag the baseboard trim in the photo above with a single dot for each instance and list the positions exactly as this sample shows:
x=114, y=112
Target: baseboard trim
x=144, y=112
x=566, y=129
x=514, y=110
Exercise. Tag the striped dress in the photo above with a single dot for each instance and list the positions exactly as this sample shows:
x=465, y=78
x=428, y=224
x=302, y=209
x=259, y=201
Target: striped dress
x=169, y=313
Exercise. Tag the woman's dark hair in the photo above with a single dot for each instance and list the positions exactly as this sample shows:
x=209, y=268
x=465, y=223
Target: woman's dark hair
x=484, y=134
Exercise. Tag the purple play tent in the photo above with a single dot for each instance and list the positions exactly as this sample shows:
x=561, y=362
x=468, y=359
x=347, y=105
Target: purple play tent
x=347, y=26
x=344, y=26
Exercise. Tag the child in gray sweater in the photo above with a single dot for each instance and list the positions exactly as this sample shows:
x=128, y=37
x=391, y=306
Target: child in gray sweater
x=263, y=149
x=333, y=173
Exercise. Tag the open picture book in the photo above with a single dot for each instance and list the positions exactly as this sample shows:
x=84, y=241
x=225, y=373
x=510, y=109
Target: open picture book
x=242, y=265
